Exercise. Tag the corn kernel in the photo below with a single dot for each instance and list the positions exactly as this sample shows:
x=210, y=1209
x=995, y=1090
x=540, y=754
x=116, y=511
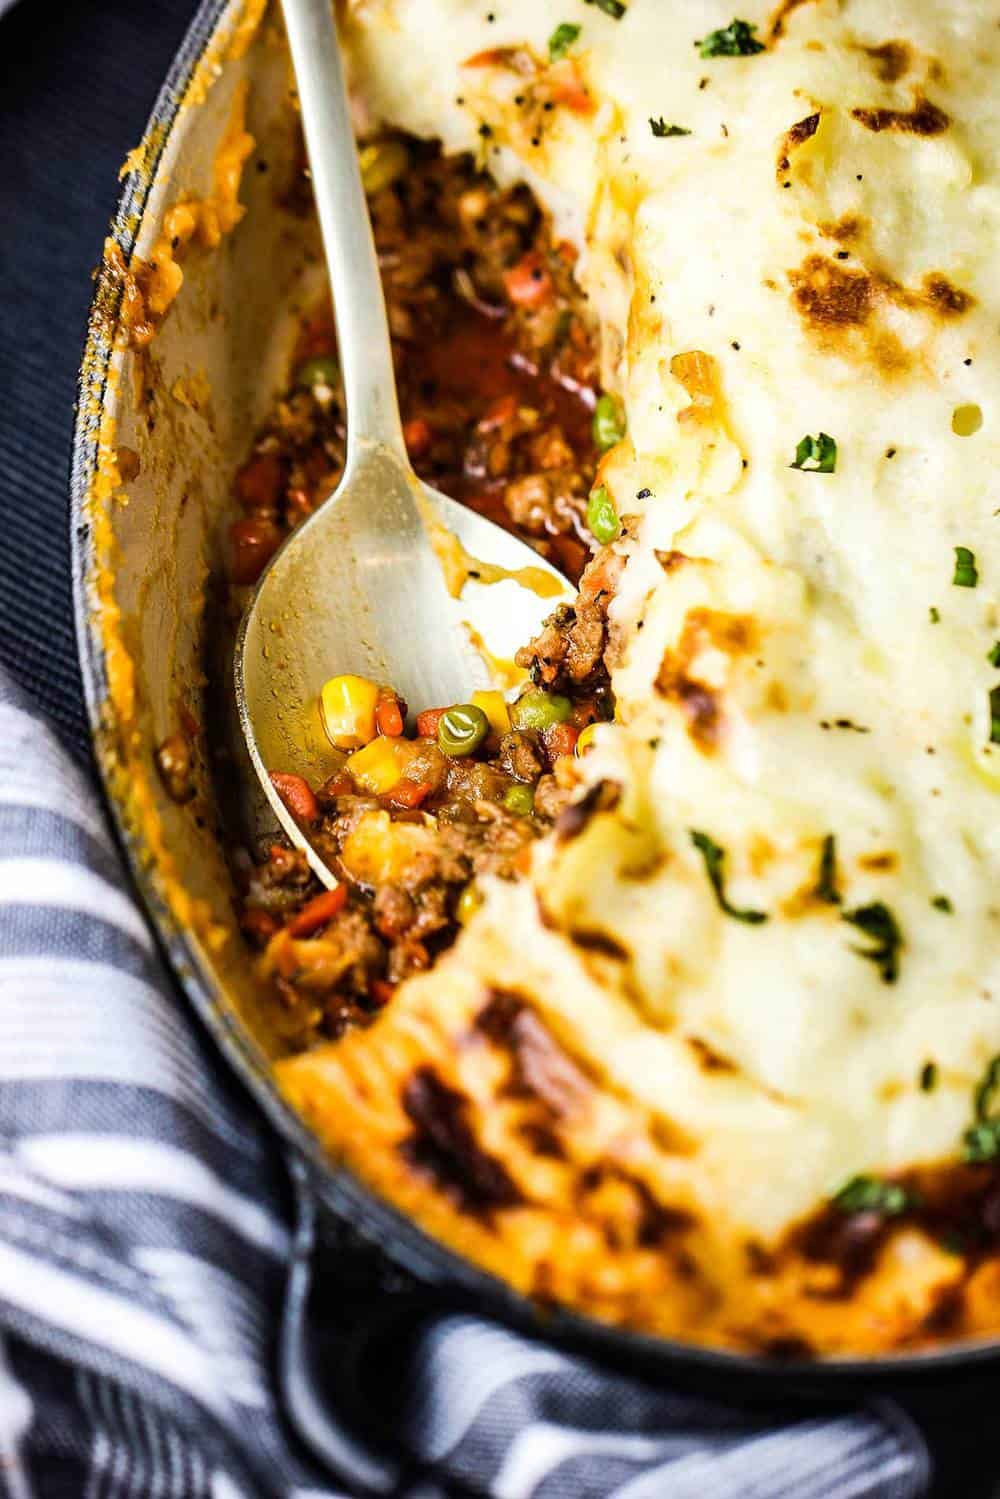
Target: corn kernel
x=379, y=766
x=347, y=707
x=494, y=705
x=586, y=739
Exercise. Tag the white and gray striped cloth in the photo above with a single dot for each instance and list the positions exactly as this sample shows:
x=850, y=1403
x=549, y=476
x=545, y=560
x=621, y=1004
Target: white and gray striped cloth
x=144, y=1241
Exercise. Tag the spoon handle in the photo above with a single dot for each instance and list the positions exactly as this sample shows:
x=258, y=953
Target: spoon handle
x=359, y=306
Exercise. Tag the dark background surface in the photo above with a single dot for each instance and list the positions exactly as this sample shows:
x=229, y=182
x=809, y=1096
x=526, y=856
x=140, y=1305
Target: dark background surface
x=78, y=82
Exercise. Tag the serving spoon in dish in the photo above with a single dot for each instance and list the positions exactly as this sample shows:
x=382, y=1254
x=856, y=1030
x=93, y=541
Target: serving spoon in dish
x=367, y=584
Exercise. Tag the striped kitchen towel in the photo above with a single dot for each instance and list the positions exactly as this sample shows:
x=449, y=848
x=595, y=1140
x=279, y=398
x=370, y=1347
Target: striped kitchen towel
x=144, y=1239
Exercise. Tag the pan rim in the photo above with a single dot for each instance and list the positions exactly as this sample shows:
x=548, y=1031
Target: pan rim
x=398, y=1237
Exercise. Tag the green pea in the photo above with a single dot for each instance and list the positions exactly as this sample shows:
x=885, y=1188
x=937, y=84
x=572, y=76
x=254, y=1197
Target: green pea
x=602, y=517
x=520, y=799
x=540, y=710
x=462, y=729
x=323, y=369
x=608, y=425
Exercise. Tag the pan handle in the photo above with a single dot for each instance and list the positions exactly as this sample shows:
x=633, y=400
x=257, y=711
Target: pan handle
x=317, y=1366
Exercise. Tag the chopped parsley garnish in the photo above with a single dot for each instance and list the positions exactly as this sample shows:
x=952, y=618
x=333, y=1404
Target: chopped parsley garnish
x=715, y=865
x=982, y=1139
x=995, y=715
x=935, y=615
x=993, y=657
x=826, y=887
x=928, y=1077
x=816, y=455
x=735, y=40
x=942, y=903
x=867, y=1194
x=562, y=39
x=661, y=129
x=877, y=922
x=613, y=8
x=966, y=573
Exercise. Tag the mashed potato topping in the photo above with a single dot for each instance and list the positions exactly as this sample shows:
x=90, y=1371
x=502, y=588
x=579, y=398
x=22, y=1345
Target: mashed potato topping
x=766, y=960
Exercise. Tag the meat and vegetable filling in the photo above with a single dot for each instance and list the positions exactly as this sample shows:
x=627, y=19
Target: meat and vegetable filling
x=496, y=373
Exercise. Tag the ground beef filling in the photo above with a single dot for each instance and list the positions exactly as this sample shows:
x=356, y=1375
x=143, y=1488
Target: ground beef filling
x=496, y=375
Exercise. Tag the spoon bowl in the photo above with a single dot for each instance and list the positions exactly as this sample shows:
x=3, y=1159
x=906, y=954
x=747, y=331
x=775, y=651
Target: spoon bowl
x=359, y=588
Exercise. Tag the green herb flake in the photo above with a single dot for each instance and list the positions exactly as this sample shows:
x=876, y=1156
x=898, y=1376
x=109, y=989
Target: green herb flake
x=816, y=455
x=562, y=39
x=935, y=615
x=613, y=8
x=877, y=922
x=993, y=656
x=662, y=130
x=715, y=866
x=826, y=886
x=735, y=40
x=869, y=1194
x=995, y=715
x=966, y=572
x=928, y=1077
x=981, y=1140
x=942, y=903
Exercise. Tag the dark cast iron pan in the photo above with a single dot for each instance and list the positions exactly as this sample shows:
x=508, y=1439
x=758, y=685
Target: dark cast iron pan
x=383, y=1261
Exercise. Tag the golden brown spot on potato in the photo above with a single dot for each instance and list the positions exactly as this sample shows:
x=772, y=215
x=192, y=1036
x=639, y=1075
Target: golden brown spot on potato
x=671, y=561
x=541, y=1068
x=592, y=940
x=839, y=304
x=850, y=226
x=708, y=1059
x=653, y=1221
x=881, y=863
x=777, y=27
x=924, y=118
x=892, y=60
x=831, y=296
x=732, y=634
x=799, y=132
x=947, y=300
x=444, y=1147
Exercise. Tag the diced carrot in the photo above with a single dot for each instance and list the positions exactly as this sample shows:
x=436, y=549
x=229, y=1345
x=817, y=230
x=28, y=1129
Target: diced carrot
x=318, y=912
x=528, y=284
x=254, y=542
x=381, y=991
x=567, y=251
x=408, y=793
x=560, y=739
x=296, y=795
x=282, y=860
x=259, y=482
x=389, y=716
x=417, y=436
x=498, y=412
x=427, y=722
